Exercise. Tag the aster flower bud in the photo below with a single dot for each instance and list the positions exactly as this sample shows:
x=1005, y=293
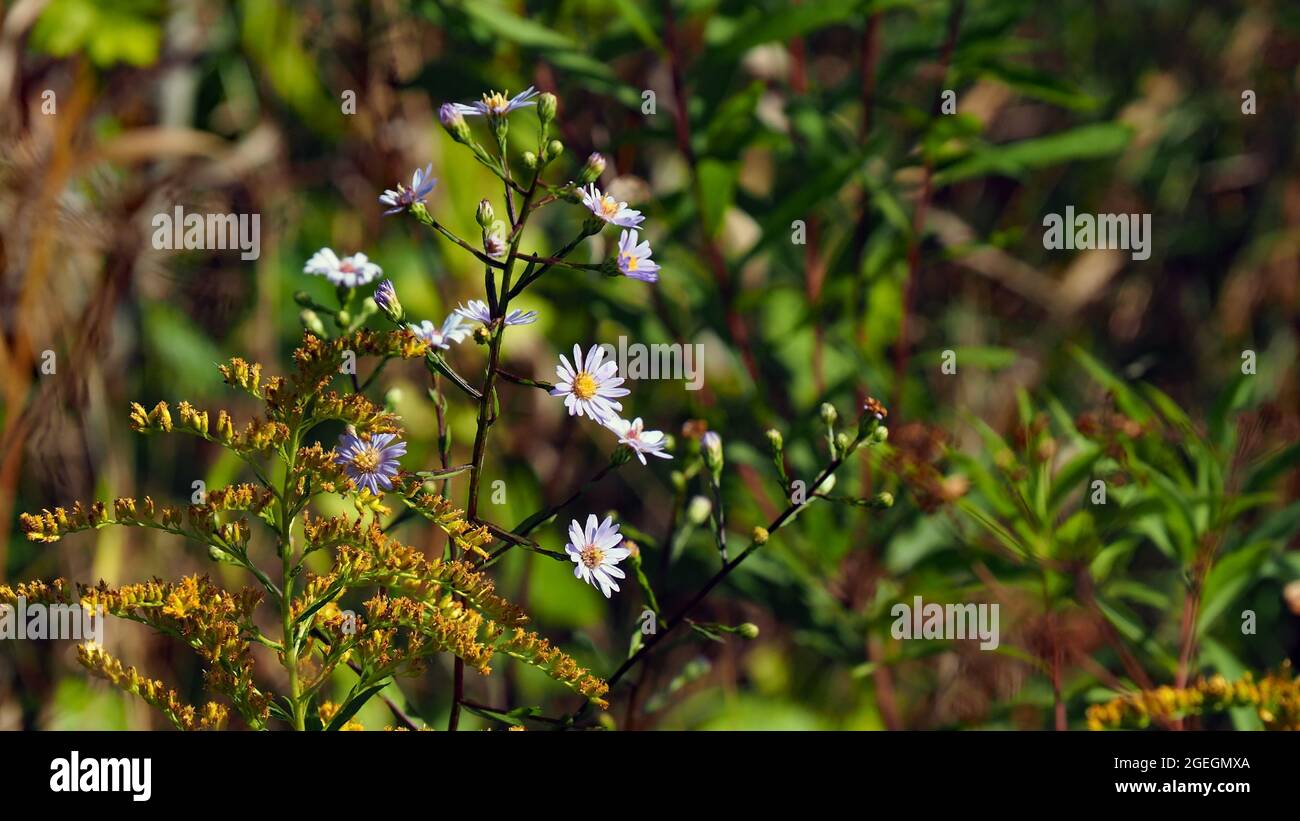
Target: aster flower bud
x=711, y=450
x=760, y=535
x=748, y=630
x=481, y=335
x=303, y=298
x=678, y=480
x=593, y=169
x=386, y=299
x=485, y=215
x=828, y=413
x=553, y=150
x=530, y=160
x=610, y=268
x=880, y=434
x=776, y=443
x=775, y=439
x=546, y=107
x=311, y=321
x=421, y=213
x=884, y=499
x=454, y=122
x=842, y=442
x=698, y=510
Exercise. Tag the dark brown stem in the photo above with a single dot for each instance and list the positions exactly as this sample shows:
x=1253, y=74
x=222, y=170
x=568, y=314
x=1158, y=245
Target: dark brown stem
x=679, y=617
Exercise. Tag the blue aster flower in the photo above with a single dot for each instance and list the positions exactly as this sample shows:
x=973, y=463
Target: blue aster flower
x=497, y=104
x=634, y=258
x=422, y=183
x=452, y=330
x=370, y=460
x=478, y=311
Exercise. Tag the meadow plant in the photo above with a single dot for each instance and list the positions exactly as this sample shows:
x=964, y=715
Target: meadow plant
x=1132, y=531
x=412, y=607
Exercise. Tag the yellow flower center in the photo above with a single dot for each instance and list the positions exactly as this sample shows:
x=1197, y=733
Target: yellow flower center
x=496, y=102
x=592, y=556
x=608, y=206
x=584, y=387
x=366, y=460
x=630, y=262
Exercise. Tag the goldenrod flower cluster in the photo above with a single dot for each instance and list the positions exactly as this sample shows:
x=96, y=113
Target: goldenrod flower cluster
x=423, y=606
x=184, y=716
x=1275, y=699
x=255, y=437
x=200, y=522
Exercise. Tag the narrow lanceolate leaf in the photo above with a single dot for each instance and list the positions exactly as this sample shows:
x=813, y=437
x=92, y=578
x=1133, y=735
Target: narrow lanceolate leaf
x=348, y=710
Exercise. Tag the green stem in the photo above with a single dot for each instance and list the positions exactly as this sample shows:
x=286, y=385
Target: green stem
x=543, y=516
x=290, y=643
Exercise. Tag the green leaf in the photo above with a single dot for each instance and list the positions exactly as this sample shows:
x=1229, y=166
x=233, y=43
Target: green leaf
x=988, y=357
x=1126, y=398
x=765, y=25
x=1015, y=159
x=559, y=49
x=278, y=711
x=733, y=124
x=514, y=718
x=718, y=190
x=1264, y=471
x=1170, y=410
x=1039, y=85
x=321, y=602
x=127, y=31
x=1008, y=540
x=1278, y=526
x=348, y=710
x=1228, y=579
x=1110, y=556
x=504, y=23
x=1077, y=469
x=180, y=351
x=638, y=22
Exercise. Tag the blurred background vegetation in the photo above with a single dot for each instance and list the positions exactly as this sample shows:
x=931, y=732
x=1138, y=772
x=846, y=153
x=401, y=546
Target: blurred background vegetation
x=923, y=235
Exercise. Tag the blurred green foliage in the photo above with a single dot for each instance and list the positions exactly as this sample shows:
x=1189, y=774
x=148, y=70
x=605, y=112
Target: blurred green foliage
x=922, y=236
